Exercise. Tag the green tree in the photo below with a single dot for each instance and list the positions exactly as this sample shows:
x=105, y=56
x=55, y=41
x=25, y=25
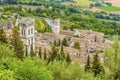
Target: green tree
x=40, y=53
x=55, y=43
x=112, y=59
x=45, y=54
x=92, y=5
x=87, y=66
x=32, y=54
x=28, y=70
x=116, y=73
x=97, y=67
x=64, y=42
x=77, y=45
x=59, y=43
x=5, y=51
x=16, y=43
x=68, y=60
x=53, y=54
x=26, y=52
x=3, y=37
x=62, y=54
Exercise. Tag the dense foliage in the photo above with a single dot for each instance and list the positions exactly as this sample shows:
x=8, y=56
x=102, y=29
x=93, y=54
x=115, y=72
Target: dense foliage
x=58, y=66
x=37, y=68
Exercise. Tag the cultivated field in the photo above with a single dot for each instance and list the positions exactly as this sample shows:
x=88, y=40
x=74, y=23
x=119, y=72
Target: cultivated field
x=110, y=8
x=83, y=3
x=114, y=2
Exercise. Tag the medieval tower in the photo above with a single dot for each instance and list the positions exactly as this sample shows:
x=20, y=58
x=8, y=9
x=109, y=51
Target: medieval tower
x=54, y=24
x=27, y=33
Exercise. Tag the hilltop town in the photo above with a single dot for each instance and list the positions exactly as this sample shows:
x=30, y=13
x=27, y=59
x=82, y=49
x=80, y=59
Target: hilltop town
x=59, y=40
x=89, y=41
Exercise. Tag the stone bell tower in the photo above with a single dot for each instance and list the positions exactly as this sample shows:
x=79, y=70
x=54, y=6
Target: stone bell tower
x=56, y=26
x=27, y=33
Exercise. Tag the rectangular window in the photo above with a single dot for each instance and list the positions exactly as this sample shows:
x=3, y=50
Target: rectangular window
x=31, y=40
x=24, y=32
x=29, y=32
x=32, y=31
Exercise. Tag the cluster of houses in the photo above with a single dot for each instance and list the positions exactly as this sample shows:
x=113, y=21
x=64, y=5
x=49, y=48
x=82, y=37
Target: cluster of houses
x=90, y=41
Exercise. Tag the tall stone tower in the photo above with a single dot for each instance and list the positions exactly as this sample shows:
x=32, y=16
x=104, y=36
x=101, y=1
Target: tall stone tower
x=56, y=26
x=27, y=33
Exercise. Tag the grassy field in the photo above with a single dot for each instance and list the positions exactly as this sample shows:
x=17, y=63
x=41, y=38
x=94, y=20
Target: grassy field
x=83, y=3
x=110, y=8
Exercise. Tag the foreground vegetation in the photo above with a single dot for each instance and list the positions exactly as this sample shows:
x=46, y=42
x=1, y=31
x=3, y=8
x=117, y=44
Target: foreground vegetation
x=58, y=66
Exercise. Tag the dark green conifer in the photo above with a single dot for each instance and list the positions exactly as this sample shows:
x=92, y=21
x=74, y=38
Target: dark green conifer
x=77, y=45
x=97, y=67
x=64, y=42
x=3, y=38
x=68, y=60
x=55, y=43
x=16, y=43
x=87, y=66
x=26, y=53
x=40, y=53
x=45, y=54
x=53, y=53
x=59, y=43
x=62, y=54
x=32, y=54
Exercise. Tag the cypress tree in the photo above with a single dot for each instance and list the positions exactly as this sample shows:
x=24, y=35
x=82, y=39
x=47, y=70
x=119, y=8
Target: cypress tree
x=26, y=53
x=16, y=43
x=62, y=54
x=68, y=60
x=32, y=54
x=3, y=38
x=59, y=43
x=64, y=42
x=55, y=43
x=77, y=45
x=97, y=68
x=87, y=66
x=45, y=55
x=53, y=53
x=40, y=53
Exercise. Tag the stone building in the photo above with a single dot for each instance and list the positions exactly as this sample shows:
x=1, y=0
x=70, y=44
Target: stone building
x=27, y=33
x=54, y=24
x=9, y=24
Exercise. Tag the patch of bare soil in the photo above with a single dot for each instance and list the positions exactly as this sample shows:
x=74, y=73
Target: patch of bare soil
x=114, y=2
x=94, y=9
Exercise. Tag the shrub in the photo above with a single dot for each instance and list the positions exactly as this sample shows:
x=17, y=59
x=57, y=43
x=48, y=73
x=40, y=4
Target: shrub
x=77, y=45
